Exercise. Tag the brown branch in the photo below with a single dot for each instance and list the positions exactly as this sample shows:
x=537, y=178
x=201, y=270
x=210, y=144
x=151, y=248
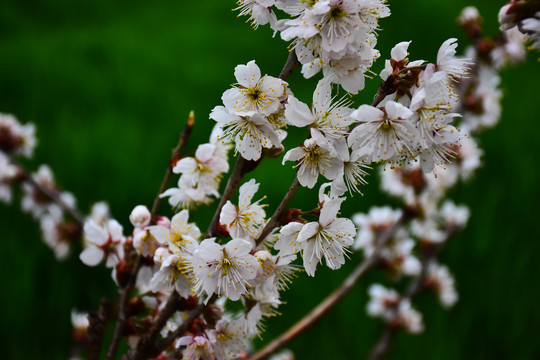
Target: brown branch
x=146, y=347
x=125, y=291
x=123, y=299
x=290, y=65
x=232, y=184
x=274, y=220
x=169, y=339
x=52, y=194
x=175, y=155
x=98, y=320
x=333, y=299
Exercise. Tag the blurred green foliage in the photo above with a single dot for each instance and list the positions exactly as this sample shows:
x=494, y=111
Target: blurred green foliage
x=110, y=84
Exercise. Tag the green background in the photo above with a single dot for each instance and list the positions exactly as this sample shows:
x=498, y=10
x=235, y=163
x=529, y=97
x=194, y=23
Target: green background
x=109, y=85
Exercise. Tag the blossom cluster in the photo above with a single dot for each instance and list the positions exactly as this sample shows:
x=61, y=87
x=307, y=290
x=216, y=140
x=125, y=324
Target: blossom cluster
x=200, y=174
x=243, y=260
x=337, y=37
x=18, y=140
x=523, y=16
x=250, y=256
x=411, y=251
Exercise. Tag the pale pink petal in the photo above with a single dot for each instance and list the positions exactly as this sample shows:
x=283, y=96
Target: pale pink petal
x=91, y=256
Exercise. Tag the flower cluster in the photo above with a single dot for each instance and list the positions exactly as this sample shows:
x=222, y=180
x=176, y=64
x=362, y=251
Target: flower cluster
x=335, y=36
x=252, y=117
x=201, y=174
x=186, y=280
x=41, y=197
x=15, y=139
x=523, y=15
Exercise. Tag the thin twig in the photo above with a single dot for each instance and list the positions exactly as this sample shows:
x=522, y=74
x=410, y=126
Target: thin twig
x=333, y=299
x=169, y=339
x=175, y=154
x=291, y=64
x=98, y=320
x=146, y=346
x=52, y=194
x=274, y=220
x=123, y=300
x=232, y=184
x=125, y=291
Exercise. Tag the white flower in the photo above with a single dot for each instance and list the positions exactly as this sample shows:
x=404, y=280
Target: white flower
x=409, y=318
x=254, y=94
x=228, y=338
x=454, y=215
x=246, y=220
x=259, y=11
x=52, y=231
x=287, y=243
x=482, y=108
x=105, y=242
x=532, y=27
x=512, y=50
x=140, y=216
x=439, y=277
x=175, y=271
x=354, y=173
x=205, y=168
x=387, y=135
x=336, y=36
x=447, y=62
x=469, y=14
x=37, y=203
x=180, y=232
x=467, y=156
x=327, y=238
x=508, y=19
x=277, y=271
x=224, y=270
x=8, y=171
x=16, y=138
x=197, y=348
x=331, y=119
x=100, y=213
x=398, y=56
x=381, y=301
x=315, y=156
x=79, y=320
x=250, y=133
x=188, y=196
x=378, y=219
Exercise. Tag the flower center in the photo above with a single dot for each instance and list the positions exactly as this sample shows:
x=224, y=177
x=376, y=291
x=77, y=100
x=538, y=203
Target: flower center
x=254, y=94
x=337, y=13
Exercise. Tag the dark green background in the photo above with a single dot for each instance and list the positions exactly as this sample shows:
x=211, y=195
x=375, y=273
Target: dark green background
x=109, y=85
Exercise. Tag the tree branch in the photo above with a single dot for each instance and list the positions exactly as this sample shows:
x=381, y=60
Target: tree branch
x=274, y=220
x=123, y=300
x=175, y=155
x=290, y=65
x=98, y=320
x=333, y=299
x=232, y=184
x=52, y=194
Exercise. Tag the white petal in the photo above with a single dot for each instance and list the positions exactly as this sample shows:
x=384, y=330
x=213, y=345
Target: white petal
x=228, y=213
x=91, y=256
x=247, y=75
x=308, y=231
